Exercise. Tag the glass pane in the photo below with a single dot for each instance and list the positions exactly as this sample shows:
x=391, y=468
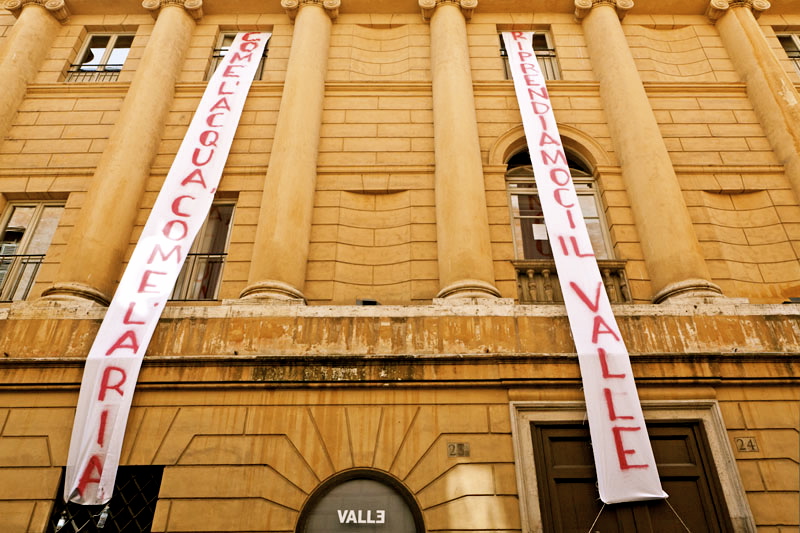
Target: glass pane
x=214, y=236
x=45, y=229
x=15, y=229
x=540, y=42
x=597, y=237
x=122, y=46
x=227, y=41
x=94, y=53
x=789, y=45
x=588, y=206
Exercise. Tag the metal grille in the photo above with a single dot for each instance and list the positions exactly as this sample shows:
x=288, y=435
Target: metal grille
x=130, y=509
x=17, y=274
x=219, y=53
x=199, y=278
x=79, y=74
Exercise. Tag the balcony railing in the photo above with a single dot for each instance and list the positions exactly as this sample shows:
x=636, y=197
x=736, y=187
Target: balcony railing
x=200, y=277
x=17, y=274
x=547, y=60
x=83, y=74
x=537, y=282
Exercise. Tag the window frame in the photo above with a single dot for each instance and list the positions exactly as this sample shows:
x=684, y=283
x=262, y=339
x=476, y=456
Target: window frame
x=217, y=55
x=184, y=283
x=585, y=186
x=24, y=243
x=795, y=38
x=706, y=412
x=76, y=73
x=553, y=73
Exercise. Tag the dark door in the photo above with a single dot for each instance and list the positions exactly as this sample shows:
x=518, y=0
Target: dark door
x=570, y=502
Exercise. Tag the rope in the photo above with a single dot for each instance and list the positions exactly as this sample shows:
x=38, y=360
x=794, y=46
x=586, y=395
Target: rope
x=678, y=516
x=596, y=518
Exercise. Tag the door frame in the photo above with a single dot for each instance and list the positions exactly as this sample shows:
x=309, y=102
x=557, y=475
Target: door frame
x=706, y=412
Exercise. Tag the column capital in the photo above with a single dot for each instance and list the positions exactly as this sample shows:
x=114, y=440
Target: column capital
x=429, y=6
x=293, y=6
x=584, y=7
x=57, y=8
x=717, y=8
x=193, y=7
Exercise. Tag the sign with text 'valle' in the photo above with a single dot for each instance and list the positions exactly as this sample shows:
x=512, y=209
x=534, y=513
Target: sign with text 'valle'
x=115, y=358
x=626, y=469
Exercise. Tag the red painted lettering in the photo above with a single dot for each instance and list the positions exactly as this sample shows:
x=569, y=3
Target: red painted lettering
x=209, y=138
x=529, y=68
x=167, y=230
x=621, y=451
x=237, y=58
x=540, y=108
x=603, y=356
x=128, y=314
x=574, y=242
x=145, y=284
x=120, y=343
x=157, y=250
x=221, y=91
x=571, y=221
x=105, y=384
x=248, y=47
x=94, y=465
x=176, y=205
x=222, y=103
x=210, y=120
x=559, y=201
x=547, y=139
x=524, y=56
x=547, y=160
x=230, y=73
x=201, y=163
x=251, y=36
x=519, y=35
x=594, y=306
x=532, y=94
x=101, y=432
x=602, y=328
x=612, y=413
x=195, y=177
x=563, y=173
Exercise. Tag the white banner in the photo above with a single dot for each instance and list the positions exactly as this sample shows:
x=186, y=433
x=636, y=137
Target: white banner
x=626, y=469
x=115, y=358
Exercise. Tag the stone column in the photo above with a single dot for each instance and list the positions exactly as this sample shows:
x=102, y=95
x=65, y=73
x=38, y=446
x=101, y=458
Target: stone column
x=671, y=250
x=774, y=97
x=24, y=50
x=92, y=261
x=462, y=222
x=278, y=267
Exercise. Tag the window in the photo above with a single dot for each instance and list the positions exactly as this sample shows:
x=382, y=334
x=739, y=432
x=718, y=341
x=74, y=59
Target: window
x=224, y=43
x=556, y=475
x=27, y=232
x=130, y=510
x=101, y=58
x=545, y=54
x=791, y=43
x=202, y=271
x=530, y=232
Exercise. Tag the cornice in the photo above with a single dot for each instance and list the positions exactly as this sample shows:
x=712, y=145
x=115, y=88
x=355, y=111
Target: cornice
x=331, y=7
x=429, y=6
x=193, y=7
x=717, y=8
x=584, y=7
x=57, y=8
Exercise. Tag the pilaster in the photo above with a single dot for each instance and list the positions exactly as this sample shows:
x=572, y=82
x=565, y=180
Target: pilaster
x=464, y=247
x=278, y=264
x=671, y=250
x=293, y=6
x=584, y=7
x=193, y=7
x=99, y=241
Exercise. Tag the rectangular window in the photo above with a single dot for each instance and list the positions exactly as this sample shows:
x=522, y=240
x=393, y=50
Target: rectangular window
x=545, y=54
x=101, y=58
x=202, y=271
x=224, y=43
x=27, y=232
x=131, y=508
x=791, y=44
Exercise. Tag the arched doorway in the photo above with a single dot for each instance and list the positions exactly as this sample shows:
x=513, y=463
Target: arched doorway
x=363, y=501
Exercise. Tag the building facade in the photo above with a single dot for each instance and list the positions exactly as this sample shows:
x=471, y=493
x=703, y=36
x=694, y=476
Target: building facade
x=368, y=333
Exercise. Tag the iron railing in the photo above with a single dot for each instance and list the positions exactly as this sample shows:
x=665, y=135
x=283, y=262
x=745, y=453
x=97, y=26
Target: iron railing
x=95, y=73
x=200, y=277
x=537, y=281
x=17, y=274
x=547, y=61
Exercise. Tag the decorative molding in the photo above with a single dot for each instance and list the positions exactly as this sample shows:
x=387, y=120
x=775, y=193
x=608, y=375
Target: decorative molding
x=583, y=7
x=57, y=8
x=293, y=6
x=193, y=7
x=717, y=8
x=429, y=6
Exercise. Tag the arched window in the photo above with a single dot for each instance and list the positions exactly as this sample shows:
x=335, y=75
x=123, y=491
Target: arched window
x=361, y=500
x=530, y=232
